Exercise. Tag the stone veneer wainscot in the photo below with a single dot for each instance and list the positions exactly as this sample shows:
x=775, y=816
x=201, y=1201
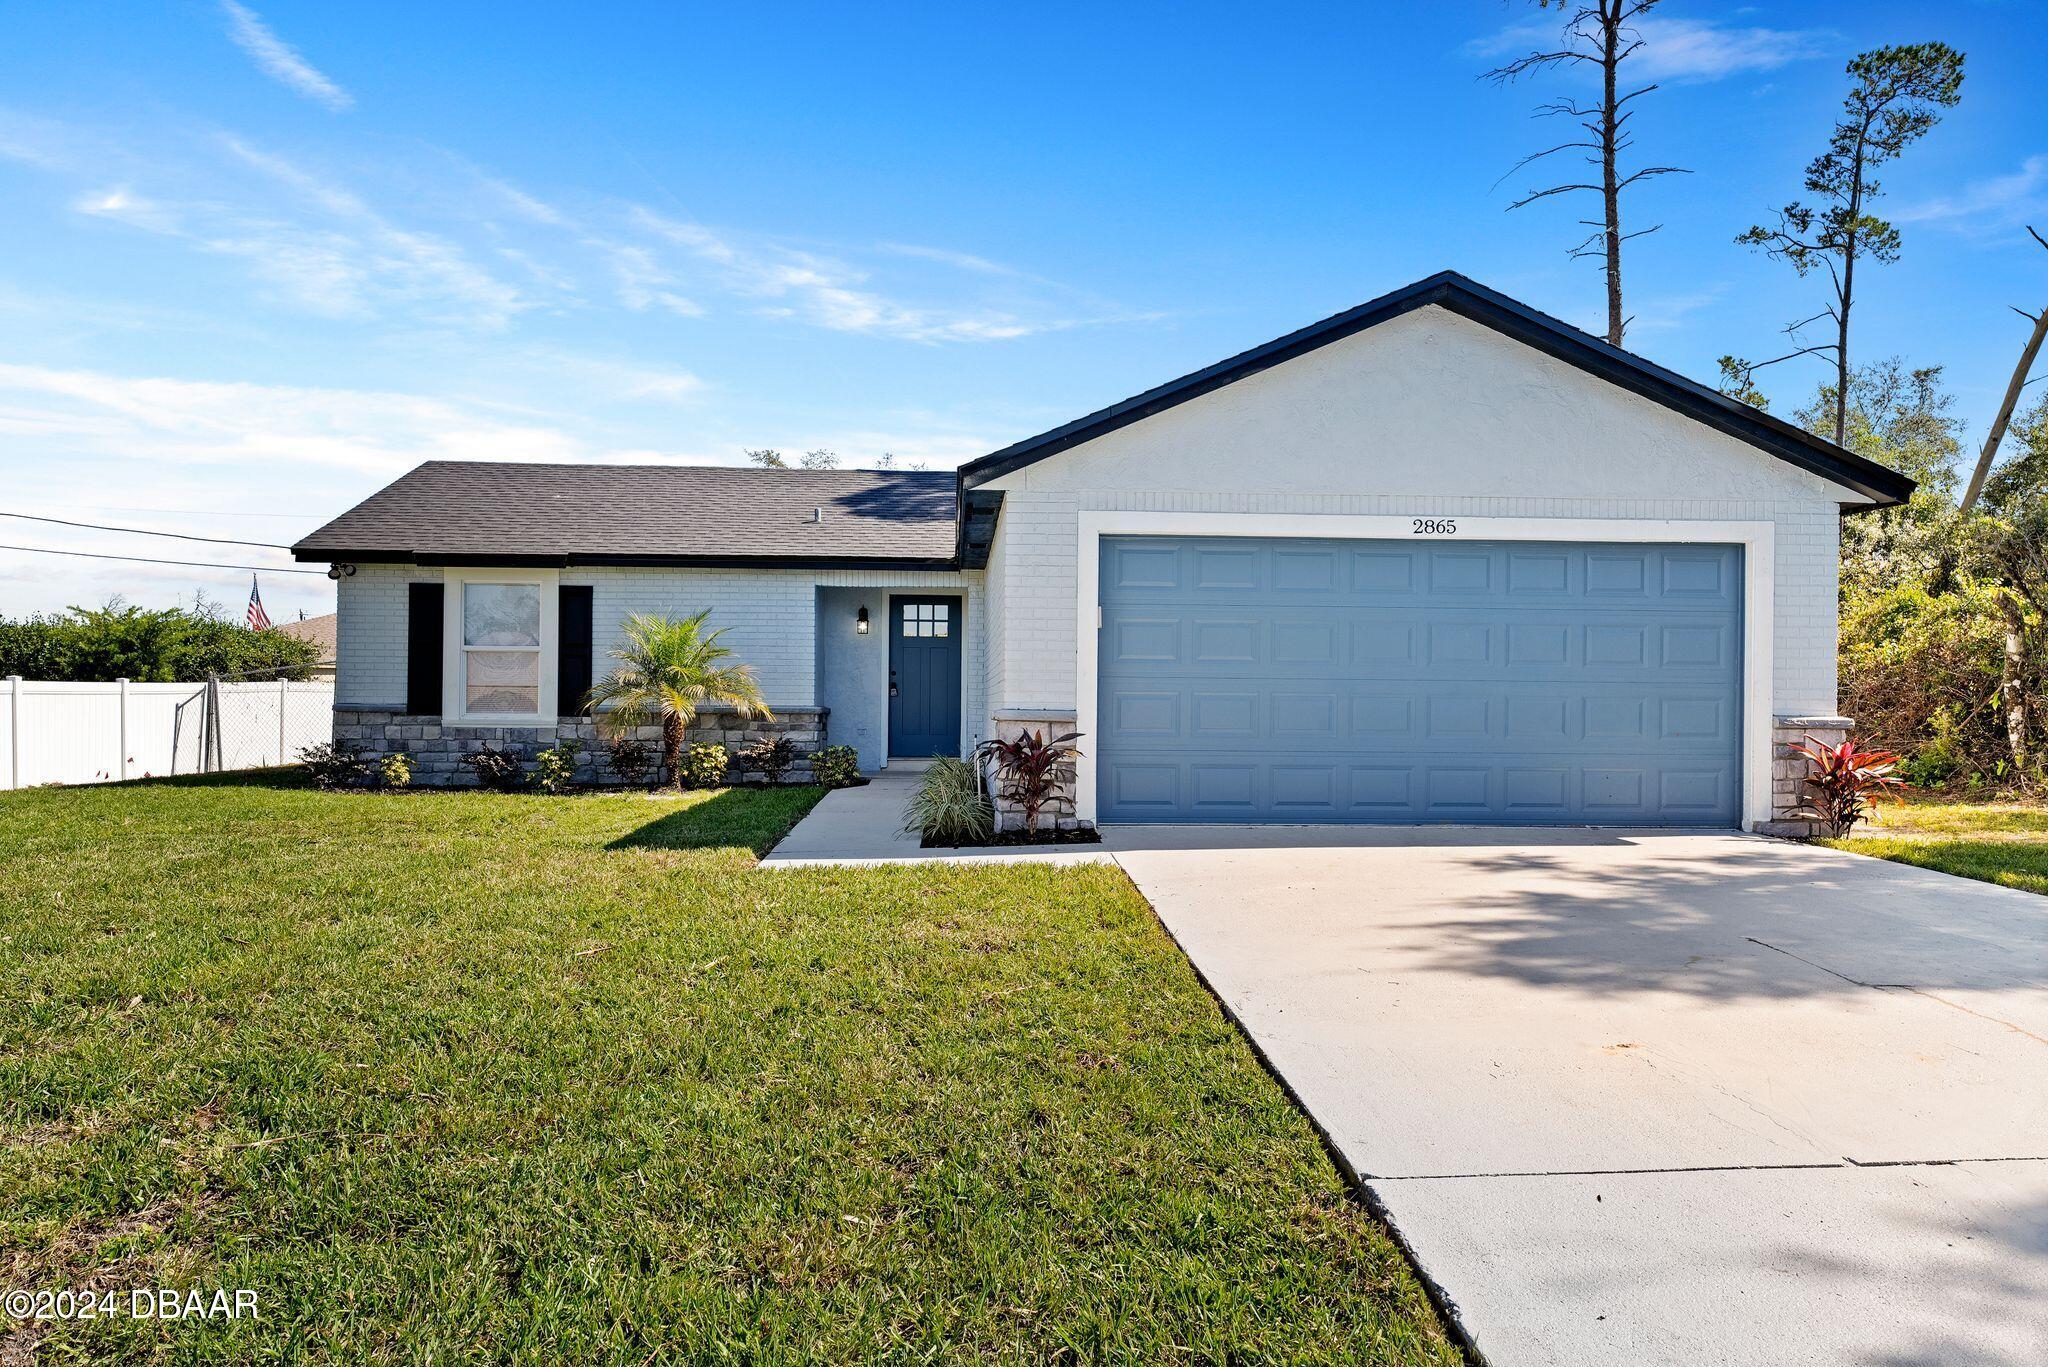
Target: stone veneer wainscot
x=437, y=749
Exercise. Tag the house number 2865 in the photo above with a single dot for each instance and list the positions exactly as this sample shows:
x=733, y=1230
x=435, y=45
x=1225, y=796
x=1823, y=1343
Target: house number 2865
x=1436, y=526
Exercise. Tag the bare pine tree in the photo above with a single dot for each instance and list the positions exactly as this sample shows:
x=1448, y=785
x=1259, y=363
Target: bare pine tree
x=1996, y=436
x=1600, y=34
x=1894, y=97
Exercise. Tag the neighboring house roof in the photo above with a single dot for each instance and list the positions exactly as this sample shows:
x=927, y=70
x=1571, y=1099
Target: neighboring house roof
x=480, y=512
x=319, y=630
x=1470, y=299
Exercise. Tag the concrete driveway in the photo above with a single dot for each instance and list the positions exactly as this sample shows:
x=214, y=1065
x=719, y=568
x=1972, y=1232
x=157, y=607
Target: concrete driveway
x=1642, y=1097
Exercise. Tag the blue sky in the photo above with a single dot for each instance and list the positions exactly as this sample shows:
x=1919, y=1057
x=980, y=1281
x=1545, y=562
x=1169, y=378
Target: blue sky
x=259, y=259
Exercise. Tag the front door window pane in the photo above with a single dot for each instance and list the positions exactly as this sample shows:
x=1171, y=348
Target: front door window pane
x=927, y=619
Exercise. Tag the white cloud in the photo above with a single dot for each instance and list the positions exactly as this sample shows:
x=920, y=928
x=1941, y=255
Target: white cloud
x=324, y=248
x=828, y=293
x=642, y=282
x=1994, y=204
x=1675, y=49
x=495, y=251
x=162, y=421
x=946, y=256
x=281, y=62
x=1700, y=50
x=1669, y=312
x=621, y=378
x=123, y=205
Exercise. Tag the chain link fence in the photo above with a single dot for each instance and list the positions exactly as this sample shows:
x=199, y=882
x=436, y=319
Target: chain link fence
x=249, y=721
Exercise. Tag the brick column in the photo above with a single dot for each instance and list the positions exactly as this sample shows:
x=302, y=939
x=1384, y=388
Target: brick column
x=1012, y=722
x=1789, y=769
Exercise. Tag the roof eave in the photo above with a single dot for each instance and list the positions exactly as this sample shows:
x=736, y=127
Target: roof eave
x=387, y=555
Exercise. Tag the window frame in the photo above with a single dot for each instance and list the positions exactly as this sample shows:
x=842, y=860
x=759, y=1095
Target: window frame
x=934, y=617
x=455, y=653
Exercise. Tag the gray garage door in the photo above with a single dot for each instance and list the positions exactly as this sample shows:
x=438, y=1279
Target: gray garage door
x=1359, y=681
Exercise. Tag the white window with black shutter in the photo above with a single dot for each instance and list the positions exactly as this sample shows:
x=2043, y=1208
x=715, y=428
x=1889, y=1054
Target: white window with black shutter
x=501, y=647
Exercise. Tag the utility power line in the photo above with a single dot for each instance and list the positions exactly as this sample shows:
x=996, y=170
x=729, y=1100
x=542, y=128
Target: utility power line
x=148, y=560
x=145, y=531
x=193, y=512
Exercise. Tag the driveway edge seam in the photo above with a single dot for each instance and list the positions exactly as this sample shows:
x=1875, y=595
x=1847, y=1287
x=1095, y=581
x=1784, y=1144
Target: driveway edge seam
x=1439, y=1299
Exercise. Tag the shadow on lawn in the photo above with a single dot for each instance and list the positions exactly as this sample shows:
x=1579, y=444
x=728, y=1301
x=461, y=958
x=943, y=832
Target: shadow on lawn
x=290, y=777
x=746, y=817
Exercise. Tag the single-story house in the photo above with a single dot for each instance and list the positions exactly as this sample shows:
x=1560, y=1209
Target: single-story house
x=320, y=631
x=1439, y=558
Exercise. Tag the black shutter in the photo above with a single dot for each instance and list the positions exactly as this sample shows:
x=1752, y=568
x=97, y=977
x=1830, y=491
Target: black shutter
x=423, y=648
x=572, y=663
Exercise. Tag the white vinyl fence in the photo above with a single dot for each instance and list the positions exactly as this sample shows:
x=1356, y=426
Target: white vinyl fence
x=102, y=732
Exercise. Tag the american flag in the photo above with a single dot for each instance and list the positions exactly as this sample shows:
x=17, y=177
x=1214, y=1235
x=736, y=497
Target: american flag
x=259, y=620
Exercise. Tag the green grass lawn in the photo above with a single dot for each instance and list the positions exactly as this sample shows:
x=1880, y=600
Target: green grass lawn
x=1997, y=842
x=541, y=1079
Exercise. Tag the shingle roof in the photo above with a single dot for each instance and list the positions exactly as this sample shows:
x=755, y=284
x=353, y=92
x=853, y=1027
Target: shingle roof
x=480, y=511
x=319, y=630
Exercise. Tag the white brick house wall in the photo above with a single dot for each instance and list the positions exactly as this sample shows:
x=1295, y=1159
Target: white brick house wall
x=771, y=616
x=1428, y=415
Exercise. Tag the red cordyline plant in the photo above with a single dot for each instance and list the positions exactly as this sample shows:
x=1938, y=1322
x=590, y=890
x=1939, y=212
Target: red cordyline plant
x=1030, y=770
x=1844, y=782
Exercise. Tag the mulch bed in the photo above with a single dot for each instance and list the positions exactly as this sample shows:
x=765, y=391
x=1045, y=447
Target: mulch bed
x=1082, y=837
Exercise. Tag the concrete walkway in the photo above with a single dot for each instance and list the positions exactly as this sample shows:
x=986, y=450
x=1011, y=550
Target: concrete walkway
x=865, y=826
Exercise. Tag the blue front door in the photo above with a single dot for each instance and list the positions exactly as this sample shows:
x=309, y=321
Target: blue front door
x=924, y=677
x=1441, y=681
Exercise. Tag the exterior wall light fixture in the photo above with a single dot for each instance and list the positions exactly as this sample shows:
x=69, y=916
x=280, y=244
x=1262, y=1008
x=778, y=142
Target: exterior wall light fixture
x=860, y=621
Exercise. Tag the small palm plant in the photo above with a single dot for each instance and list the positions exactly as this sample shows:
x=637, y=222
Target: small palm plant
x=668, y=668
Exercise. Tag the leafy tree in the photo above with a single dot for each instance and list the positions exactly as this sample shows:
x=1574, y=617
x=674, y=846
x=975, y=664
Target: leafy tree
x=1600, y=34
x=1739, y=384
x=148, y=645
x=1895, y=96
x=666, y=670
x=770, y=459
x=2008, y=547
x=1903, y=418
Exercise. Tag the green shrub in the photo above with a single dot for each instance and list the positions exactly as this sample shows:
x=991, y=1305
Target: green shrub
x=395, y=770
x=495, y=768
x=555, y=768
x=336, y=764
x=770, y=758
x=949, y=807
x=1920, y=674
x=148, y=645
x=704, y=765
x=836, y=766
x=631, y=759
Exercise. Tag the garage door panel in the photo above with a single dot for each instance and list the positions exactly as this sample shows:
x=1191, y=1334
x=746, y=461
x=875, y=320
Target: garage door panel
x=1249, y=680
x=1287, y=721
